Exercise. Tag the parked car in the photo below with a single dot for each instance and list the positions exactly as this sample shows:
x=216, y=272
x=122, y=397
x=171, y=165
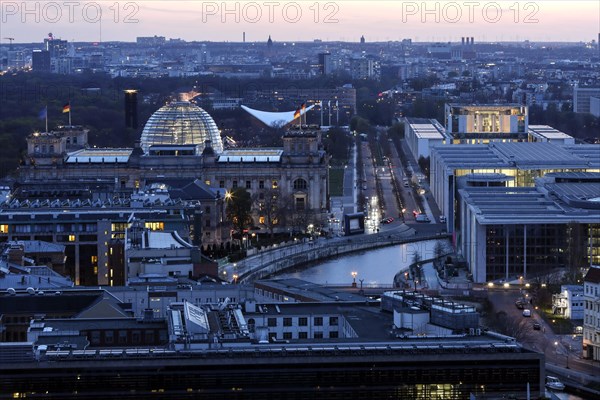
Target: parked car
x=387, y=220
x=527, y=312
x=520, y=305
x=442, y=219
x=554, y=383
x=537, y=326
x=422, y=218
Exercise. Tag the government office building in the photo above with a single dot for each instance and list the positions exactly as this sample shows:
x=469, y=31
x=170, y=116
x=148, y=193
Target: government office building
x=478, y=124
x=181, y=141
x=498, y=205
x=510, y=232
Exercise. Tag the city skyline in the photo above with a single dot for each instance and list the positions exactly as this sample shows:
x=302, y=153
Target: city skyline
x=302, y=21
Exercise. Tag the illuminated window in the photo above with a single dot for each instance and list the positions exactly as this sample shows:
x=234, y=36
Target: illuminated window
x=71, y=238
x=274, y=185
x=207, y=182
x=95, y=270
x=261, y=220
x=94, y=259
x=119, y=227
x=3, y=228
x=155, y=226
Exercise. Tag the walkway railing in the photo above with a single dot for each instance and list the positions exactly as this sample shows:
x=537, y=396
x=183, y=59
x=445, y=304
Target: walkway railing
x=269, y=262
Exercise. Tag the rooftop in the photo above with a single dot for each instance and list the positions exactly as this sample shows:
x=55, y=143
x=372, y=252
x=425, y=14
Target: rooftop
x=593, y=275
x=299, y=288
x=251, y=155
x=557, y=203
x=96, y=155
x=548, y=132
x=519, y=155
x=425, y=129
x=39, y=246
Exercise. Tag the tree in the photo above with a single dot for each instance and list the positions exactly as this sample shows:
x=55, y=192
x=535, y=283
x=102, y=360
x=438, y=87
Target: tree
x=239, y=208
x=424, y=164
x=396, y=130
x=438, y=252
x=416, y=259
x=337, y=144
x=271, y=207
x=360, y=125
x=519, y=328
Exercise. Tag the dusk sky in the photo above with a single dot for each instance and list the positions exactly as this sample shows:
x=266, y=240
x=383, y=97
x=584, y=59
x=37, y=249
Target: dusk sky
x=302, y=20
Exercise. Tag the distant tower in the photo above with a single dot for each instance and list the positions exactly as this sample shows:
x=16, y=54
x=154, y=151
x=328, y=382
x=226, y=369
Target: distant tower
x=325, y=67
x=131, y=109
x=269, y=52
x=244, y=37
x=362, y=39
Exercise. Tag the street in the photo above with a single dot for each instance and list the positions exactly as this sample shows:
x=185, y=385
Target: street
x=562, y=352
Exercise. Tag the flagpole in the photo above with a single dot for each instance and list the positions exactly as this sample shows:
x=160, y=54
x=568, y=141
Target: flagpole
x=337, y=113
x=46, y=117
x=304, y=116
x=321, y=105
x=69, y=103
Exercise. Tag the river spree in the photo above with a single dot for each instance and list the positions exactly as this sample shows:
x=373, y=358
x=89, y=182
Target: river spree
x=374, y=267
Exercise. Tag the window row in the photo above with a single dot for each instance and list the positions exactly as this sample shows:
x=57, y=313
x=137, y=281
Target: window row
x=315, y=335
x=54, y=228
x=298, y=184
x=302, y=321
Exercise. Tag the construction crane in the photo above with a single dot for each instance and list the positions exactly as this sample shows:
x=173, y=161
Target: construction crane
x=11, y=40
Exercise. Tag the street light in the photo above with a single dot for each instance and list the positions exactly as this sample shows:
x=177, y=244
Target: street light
x=354, y=273
x=235, y=278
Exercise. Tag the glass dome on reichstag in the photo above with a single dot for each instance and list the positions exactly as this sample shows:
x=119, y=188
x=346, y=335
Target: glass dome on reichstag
x=180, y=123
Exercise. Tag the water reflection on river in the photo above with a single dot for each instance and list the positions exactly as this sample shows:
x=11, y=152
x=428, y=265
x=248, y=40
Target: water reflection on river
x=374, y=267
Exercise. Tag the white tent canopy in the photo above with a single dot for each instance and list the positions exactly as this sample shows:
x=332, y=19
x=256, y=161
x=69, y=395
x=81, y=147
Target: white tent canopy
x=275, y=119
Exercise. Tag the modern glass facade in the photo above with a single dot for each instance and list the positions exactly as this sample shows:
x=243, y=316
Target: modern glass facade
x=181, y=123
x=544, y=249
x=537, y=249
